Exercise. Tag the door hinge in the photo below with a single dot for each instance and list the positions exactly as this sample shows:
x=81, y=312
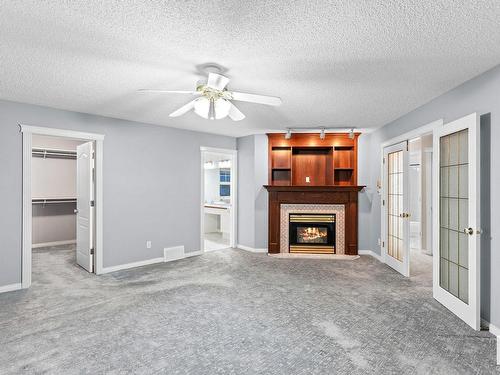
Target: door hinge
x=383, y=202
x=92, y=251
x=383, y=243
x=383, y=160
x=92, y=203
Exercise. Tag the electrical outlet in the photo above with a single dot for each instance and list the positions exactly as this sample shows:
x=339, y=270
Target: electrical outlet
x=308, y=179
x=148, y=244
x=379, y=242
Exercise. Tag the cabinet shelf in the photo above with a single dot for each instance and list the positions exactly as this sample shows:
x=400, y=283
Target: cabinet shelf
x=307, y=160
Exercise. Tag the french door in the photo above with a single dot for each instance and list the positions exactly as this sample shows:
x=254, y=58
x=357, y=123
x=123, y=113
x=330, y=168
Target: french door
x=397, y=224
x=456, y=262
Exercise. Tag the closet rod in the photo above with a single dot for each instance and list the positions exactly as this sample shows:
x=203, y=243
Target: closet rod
x=53, y=200
x=53, y=153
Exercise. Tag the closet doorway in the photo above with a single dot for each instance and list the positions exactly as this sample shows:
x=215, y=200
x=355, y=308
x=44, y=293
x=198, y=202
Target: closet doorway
x=62, y=202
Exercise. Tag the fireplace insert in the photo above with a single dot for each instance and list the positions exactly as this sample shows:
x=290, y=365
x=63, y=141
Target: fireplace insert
x=312, y=233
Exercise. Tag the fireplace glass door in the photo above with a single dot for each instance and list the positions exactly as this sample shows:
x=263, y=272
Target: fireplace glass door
x=312, y=233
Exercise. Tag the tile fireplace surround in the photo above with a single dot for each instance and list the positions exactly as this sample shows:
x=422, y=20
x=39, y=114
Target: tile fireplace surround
x=340, y=200
x=337, y=209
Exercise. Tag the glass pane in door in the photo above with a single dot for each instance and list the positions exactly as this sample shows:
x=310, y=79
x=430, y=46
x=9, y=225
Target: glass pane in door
x=454, y=214
x=395, y=205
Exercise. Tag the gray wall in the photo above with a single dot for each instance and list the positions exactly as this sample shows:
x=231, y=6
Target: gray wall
x=252, y=196
x=151, y=184
x=481, y=95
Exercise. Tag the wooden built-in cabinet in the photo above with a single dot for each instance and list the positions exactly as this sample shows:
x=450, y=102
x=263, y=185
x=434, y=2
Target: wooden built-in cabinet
x=307, y=160
x=306, y=169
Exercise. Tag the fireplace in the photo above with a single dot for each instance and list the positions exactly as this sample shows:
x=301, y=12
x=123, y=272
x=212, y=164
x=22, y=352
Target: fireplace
x=312, y=233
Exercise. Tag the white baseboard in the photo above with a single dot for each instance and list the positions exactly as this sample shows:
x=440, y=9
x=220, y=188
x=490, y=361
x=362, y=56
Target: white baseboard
x=169, y=254
x=54, y=243
x=496, y=331
x=251, y=249
x=193, y=254
x=10, y=287
x=370, y=253
x=132, y=265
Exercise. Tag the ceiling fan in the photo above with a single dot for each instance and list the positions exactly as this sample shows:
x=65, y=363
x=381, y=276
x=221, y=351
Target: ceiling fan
x=214, y=100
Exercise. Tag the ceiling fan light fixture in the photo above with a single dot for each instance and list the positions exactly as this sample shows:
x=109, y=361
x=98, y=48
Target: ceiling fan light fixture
x=212, y=109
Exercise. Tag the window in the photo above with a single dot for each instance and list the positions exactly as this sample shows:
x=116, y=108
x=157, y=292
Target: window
x=225, y=175
x=225, y=190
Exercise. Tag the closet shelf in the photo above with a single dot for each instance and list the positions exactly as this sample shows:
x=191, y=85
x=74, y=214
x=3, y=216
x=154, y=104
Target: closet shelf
x=53, y=153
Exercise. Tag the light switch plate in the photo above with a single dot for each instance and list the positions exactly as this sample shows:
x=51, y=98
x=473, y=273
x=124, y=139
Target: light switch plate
x=148, y=244
x=308, y=179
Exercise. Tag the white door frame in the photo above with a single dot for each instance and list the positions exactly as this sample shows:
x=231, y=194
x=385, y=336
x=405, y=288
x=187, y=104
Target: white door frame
x=425, y=129
x=234, y=192
x=27, y=136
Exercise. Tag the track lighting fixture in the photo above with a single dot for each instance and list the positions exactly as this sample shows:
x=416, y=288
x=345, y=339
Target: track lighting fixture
x=351, y=133
x=322, y=134
x=288, y=134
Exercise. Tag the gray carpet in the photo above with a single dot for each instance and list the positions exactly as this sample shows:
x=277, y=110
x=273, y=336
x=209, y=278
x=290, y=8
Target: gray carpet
x=233, y=312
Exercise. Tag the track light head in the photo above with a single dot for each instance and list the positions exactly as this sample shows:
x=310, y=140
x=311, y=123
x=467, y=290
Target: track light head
x=288, y=134
x=351, y=133
x=322, y=134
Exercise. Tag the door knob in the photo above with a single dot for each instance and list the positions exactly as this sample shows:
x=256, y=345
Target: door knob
x=469, y=231
x=404, y=215
x=75, y=210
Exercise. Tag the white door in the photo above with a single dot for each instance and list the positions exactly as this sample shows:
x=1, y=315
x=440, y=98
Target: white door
x=396, y=207
x=456, y=218
x=84, y=211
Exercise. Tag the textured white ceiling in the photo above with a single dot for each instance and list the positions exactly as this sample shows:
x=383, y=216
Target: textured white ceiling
x=350, y=63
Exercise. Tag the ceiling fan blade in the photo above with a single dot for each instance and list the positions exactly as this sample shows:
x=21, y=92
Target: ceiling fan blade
x=235, y=114
x=252, y=98
x=217, y=81
x=184, y=109
x=169, y=91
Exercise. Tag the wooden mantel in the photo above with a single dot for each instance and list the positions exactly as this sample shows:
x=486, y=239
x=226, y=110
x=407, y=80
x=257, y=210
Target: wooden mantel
x=345, y=195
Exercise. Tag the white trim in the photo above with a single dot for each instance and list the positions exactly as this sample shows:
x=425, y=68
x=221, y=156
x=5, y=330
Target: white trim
x=234, y=193
x=10, y=287
x=251, y=249
x=99, y=206
x=27, y=135
x=415, y=133
x=133, y=265
x=26, y=210
x=53, y=243
x=372, y=254
x=219, y=150
x=61, y=132
x=494, y=329
x=498, y=350
x=418, y=132
x=193, y=254
x=149, y=262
